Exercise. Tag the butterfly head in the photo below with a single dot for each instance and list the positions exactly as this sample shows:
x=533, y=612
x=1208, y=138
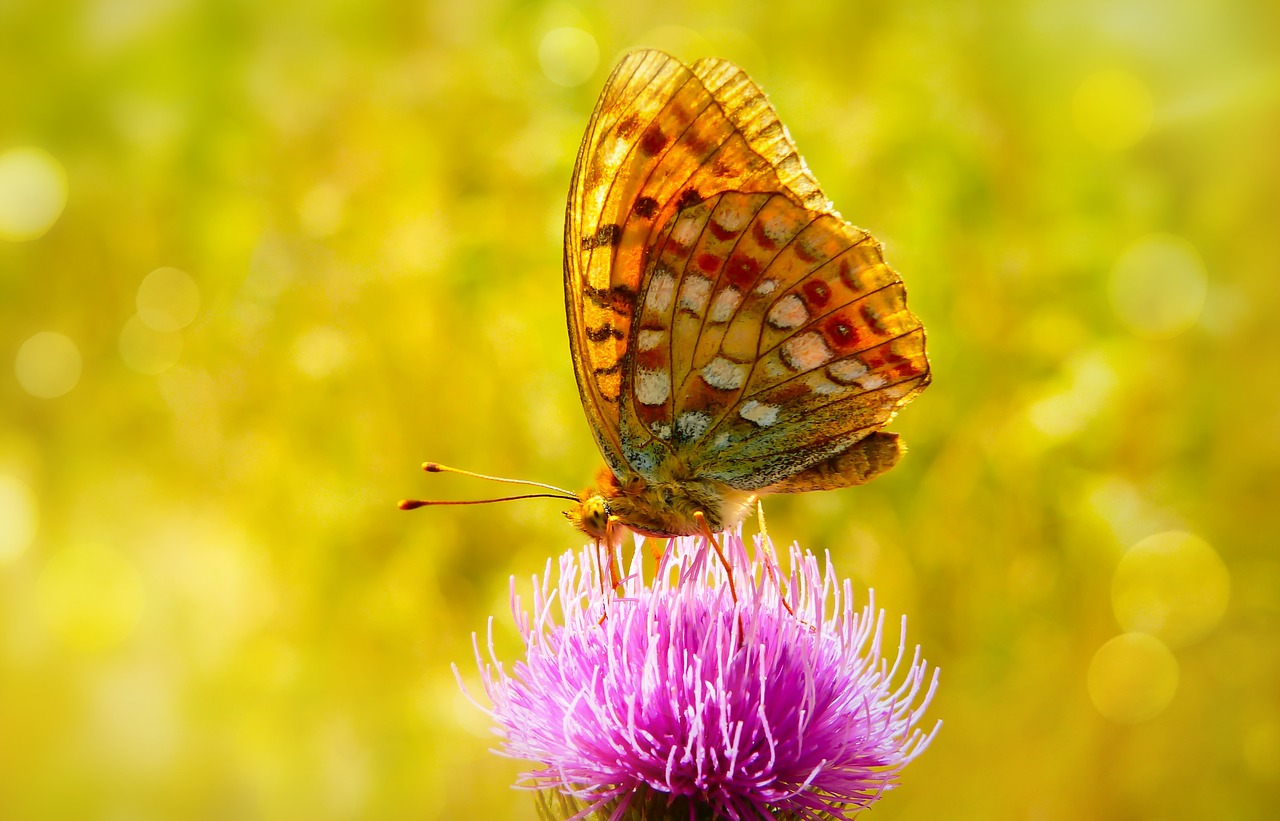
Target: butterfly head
x=591, y=515
x=662, y=508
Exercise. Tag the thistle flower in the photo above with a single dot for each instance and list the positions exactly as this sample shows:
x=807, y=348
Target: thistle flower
x=669, y=699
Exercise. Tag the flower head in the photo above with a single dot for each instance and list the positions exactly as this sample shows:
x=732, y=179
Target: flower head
x=669, y=692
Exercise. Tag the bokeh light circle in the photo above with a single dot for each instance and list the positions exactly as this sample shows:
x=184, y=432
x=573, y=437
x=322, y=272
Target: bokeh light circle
x=322, y=352
x=168, y=299
x=18, y=517
x=90, y=596
x=48, y=365
x=1132, y=678
x=149, y=351
x=568, y=56
x=33, y=192
x=1159, y=286
x=322, y=210
x=1172, y=585
x=1112, y=109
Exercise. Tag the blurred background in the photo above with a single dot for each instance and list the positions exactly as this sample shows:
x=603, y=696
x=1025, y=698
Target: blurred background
x=259, y=260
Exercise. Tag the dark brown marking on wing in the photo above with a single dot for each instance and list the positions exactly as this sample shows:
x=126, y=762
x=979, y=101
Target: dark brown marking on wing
x=688, y=199
x=620, y=298
x=608, y=234
x=604, y=332
x=786, y=393
x=628, y=126
x=645, y=207
x=652, y=360
x=653, y=140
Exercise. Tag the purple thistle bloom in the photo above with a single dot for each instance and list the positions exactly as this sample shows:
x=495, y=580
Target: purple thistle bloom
x=667, y=699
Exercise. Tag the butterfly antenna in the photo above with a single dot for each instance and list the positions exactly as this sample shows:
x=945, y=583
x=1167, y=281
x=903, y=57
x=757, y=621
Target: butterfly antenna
x=414, y=504
x=435, y=467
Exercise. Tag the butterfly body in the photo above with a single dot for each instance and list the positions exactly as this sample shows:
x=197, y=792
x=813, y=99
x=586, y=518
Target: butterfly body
x=732, y=335
x=664, y=507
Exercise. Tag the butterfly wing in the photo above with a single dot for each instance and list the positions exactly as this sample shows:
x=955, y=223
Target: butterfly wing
x=793, y=338
x=663, y=137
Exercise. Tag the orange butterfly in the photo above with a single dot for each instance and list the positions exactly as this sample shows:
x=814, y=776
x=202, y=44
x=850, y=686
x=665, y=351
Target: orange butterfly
x=732, y=336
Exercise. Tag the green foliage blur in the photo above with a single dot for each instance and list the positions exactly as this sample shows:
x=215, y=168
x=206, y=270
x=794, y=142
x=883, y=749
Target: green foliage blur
x=258, y=261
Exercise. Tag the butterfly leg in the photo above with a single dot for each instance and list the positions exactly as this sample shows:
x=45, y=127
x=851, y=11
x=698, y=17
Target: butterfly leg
x=705, y=529
x=602, y=560
x=771, y=557
x=614, y=532
x=607, y=554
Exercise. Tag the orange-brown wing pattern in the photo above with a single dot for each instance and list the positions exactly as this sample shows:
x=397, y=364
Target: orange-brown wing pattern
x=779, y=338
x=722, y=315
x=663, y=137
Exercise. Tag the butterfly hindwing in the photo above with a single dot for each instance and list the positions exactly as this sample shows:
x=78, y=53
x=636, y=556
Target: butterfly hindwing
x=787, y=336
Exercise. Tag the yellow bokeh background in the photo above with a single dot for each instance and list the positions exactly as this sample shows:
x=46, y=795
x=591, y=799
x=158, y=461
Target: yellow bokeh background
x=258, y=261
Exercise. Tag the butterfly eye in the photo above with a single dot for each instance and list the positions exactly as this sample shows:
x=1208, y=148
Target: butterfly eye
x=595, y=516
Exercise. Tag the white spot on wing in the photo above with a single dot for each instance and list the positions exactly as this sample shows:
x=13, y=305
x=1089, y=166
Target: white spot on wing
x=725, y=303
x=897, y=391
x=734, y=213
x=806, y=351
x=614, y=153
x=653, y=387
x=662, y=431
x=870, y=383
x=767, y=286
x=846, y=371
x=759, y=413
x=687, y=229
x=724, y=375
x=779, y=228
x=648, y=339
x=805, y=246
x=694, y=294
x=788, y=313
x=692, y=424
x=661, y=289
x=641, y=460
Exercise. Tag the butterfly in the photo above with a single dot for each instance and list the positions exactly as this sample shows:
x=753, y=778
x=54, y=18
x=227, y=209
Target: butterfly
x=732, y=336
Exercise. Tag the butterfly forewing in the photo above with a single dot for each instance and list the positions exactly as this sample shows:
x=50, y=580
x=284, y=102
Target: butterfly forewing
x=721, y=314
x=770, y=152
x=661, y=135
